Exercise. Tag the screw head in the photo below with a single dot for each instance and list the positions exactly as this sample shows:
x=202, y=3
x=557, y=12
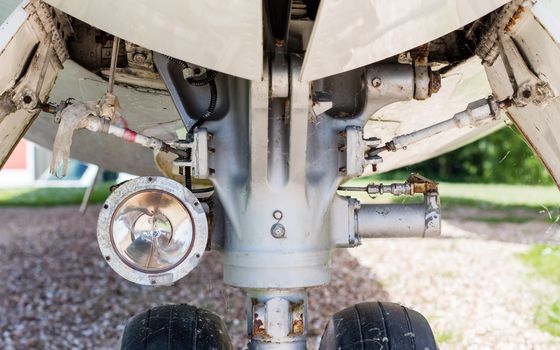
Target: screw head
x=376, y=82
x=278, y=231
x=277, y=214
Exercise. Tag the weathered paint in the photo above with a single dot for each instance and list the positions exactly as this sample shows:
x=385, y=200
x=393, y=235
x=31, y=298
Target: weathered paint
x=540, y=49
x=222, y=35
x=22, y=36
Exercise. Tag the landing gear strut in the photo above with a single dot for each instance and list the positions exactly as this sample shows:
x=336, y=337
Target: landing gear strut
x=276, y=161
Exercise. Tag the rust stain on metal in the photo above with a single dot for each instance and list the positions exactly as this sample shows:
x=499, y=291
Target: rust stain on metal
x=435, y=82
x=298, y=326
x=298, y=322
x=514, y=19
x=425, y=187
x=421, y=184
x=258, y=326
x=420, y=54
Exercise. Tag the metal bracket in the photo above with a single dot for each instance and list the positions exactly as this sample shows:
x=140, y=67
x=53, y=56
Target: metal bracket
x=199, y=154
x=357, y=148
x=528, y=87
x=279, y=77
x=26, y=93
x=278, y=320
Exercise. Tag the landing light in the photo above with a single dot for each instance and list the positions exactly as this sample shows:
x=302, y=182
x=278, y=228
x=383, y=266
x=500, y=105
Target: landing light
x=152, y=230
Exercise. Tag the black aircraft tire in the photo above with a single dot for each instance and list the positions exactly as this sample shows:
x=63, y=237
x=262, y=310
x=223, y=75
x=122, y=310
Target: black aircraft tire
x=379, y=326
x=175, y=327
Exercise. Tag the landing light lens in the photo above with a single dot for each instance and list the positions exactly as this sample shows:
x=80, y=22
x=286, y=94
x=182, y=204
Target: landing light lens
x=152, y=231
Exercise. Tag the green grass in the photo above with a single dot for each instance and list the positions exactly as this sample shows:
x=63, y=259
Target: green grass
x=547, y=317
x=544, y=259
x=51, y=196
x=447, y=337
x=500, y=219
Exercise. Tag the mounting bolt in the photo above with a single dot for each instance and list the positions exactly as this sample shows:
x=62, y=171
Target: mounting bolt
x=29, y=100
x=278, y=231
x=376, y=82
x=139, y=57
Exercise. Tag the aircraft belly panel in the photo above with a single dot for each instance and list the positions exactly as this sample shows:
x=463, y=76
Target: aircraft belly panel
x=222, y=35
x=352, y=34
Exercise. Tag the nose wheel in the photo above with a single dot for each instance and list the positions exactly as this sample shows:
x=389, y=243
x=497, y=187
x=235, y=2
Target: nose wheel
x=177, y=327
x=379, y=326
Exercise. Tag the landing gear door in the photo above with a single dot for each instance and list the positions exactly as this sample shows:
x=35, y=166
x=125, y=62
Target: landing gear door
x=32, y=50
x=527, y=72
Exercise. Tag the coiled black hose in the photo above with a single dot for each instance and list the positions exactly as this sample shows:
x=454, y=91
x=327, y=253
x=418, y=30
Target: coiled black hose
x=211, y=106
x=187, y=171
x=208, y=80
x=177, y=61
x=210, y=76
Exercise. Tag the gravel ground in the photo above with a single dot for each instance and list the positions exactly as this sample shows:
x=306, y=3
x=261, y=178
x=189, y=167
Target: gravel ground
x=471, y=286
x=56, y=292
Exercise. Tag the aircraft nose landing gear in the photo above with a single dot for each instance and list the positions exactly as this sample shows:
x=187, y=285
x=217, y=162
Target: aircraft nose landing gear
x=276, y=167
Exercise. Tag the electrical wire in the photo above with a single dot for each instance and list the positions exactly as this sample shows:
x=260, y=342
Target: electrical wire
x=211, y=82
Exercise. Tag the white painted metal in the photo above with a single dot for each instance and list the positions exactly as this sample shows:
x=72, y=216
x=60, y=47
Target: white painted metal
x=276, y=176
x=534, y=34
x=547, y=12
x=356, y=151
x=19, y=34
x=277, y=319
x=16, y=41
x=155, y=115
x=222, y=35
x=400, y=220
x=352, y=34
x=465, y=83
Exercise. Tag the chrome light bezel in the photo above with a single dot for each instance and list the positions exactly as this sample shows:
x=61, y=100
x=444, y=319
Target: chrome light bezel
x=187, y=199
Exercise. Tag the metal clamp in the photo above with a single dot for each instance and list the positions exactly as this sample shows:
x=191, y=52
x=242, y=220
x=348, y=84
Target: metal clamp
x=277, y=319
x=199, y=154
x=357, y=148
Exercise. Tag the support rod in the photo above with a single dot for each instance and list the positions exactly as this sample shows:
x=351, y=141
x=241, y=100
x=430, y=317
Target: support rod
x=476, y=114
x=114, y=59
